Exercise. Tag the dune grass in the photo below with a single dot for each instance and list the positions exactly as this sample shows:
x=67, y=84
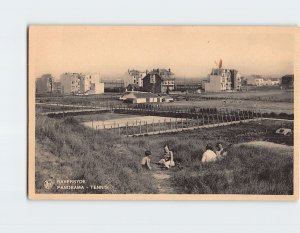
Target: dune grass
x=248, y=169
x=67, y=150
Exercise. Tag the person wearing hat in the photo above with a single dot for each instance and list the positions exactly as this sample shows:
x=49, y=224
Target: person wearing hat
x=146, y=160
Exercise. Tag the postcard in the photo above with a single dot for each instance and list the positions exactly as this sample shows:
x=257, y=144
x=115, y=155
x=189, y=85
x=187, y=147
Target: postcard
x=163, y=113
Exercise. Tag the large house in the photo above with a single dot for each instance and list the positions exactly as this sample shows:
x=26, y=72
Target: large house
x=137, y=76
x=47, y=84
x=159, y=81
x=78, y=83
x=223, y=80
x=287, y=81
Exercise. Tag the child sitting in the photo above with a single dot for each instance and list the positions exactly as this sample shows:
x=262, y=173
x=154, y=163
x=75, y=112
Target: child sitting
x=168, y=160
x=146, y=160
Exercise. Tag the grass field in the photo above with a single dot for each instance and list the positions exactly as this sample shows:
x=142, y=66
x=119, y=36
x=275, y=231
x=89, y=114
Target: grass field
x=264, y=106
x=66, y=149
x=260, y=94
x=277, y=101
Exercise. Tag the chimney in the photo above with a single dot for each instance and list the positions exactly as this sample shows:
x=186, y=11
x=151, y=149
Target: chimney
x=169, y=70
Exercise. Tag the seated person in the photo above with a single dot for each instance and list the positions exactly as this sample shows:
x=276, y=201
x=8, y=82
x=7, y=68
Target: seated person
x=209, y=155
x=168, y=160
x=146, y=160
x=220, y=151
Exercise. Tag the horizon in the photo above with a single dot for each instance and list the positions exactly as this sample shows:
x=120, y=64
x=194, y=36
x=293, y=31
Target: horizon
x=189, y=51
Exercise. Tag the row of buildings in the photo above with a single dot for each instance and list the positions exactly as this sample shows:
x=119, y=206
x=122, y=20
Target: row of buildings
x=163, y=81
x=70, y=83
x=257, y=80
x=153, y=81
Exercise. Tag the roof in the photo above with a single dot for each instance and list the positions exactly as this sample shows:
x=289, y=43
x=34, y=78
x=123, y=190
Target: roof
x=135, y=72
x=161, y=72
x=133, y=85
x=145, y=95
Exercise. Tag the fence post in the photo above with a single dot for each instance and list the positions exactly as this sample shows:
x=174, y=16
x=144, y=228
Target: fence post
x=159, y=126
x=260, y=114
x=119, y=129
x=140, y=127
x=147, y=127
x=133, y=128
x=126, y=128
x=153, y=126
x=170, y=123
x=181, y=123
x=197, y=121
x=230, y=117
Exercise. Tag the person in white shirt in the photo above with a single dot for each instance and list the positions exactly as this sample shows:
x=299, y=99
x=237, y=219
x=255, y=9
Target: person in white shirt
x=146, y=160
x=209, y=155
x=168, y=160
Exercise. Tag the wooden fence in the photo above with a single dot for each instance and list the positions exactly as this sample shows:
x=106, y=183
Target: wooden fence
x=177, y=124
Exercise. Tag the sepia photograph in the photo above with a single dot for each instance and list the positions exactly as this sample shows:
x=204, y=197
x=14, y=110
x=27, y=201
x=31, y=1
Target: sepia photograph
x=162, y=113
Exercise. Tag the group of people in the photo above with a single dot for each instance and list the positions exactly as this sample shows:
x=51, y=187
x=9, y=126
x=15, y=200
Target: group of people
x=166, y=162
x=210, y=155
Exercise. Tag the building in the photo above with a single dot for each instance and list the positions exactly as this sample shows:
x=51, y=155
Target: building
x=137, y=97
x=223, y=80
x=287, y=81
x=47, y=84
x=114, y=85
x=96, y=89
x=137, y=77
x=159, y=81
x=70, y=83
x=273, y=81
x=56, y=87
x=44, y=84
x=133, y=87
x=188, y=85
x=257, y=80
x=80, y=83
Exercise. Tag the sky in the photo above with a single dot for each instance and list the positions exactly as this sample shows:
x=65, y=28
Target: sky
x=189, y=51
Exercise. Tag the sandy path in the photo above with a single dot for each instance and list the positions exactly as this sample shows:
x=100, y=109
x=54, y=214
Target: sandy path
x=162, y=180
